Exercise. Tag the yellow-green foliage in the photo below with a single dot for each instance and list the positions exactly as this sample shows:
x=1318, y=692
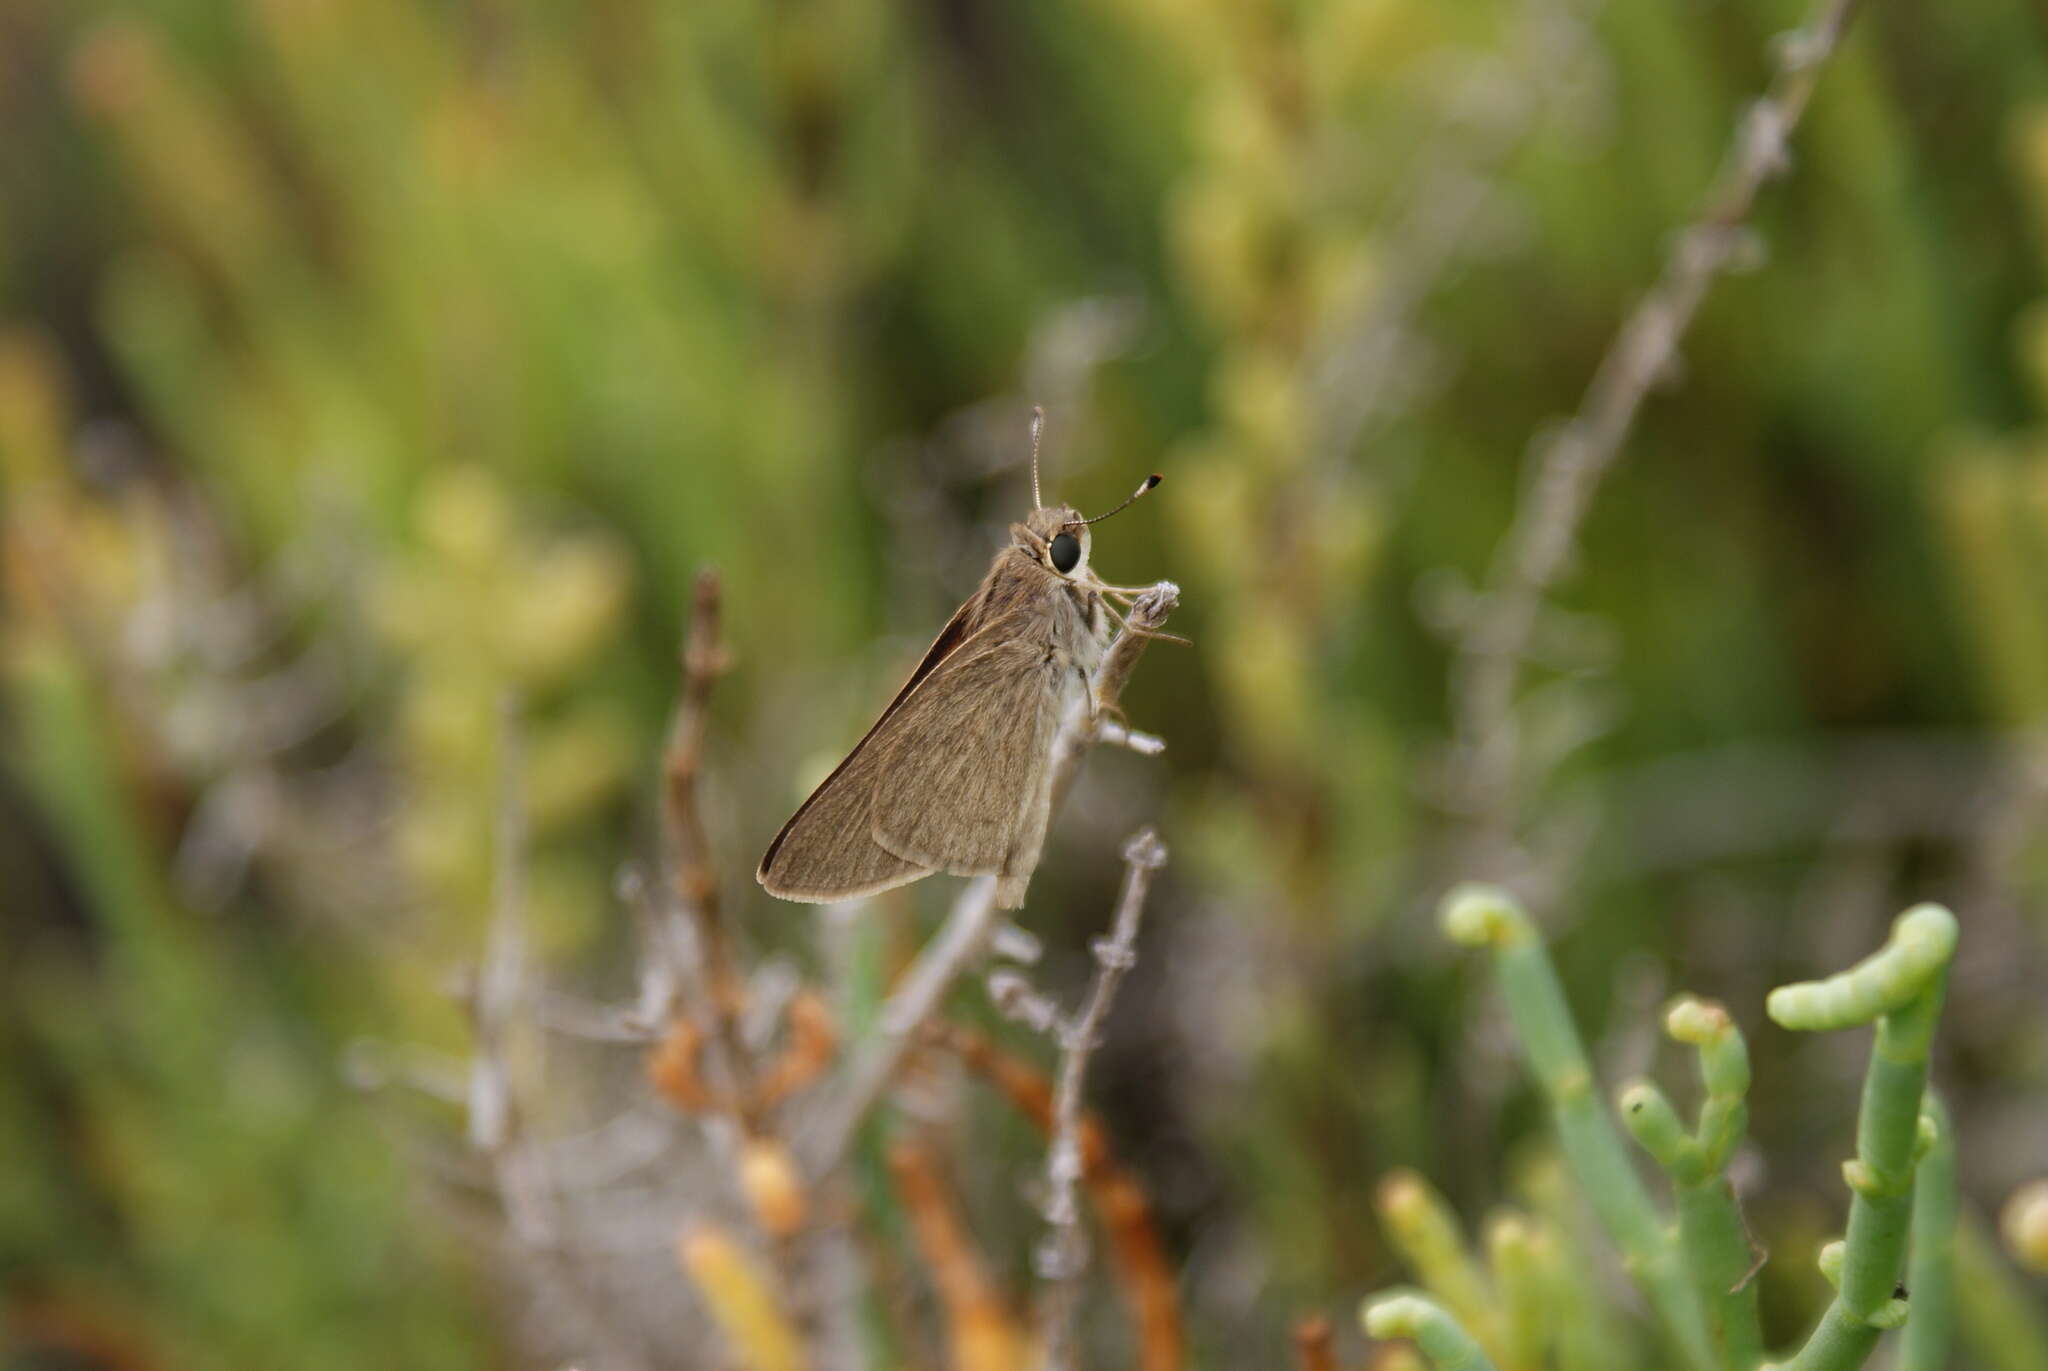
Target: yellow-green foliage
x=207, y=1193
x=489, y=614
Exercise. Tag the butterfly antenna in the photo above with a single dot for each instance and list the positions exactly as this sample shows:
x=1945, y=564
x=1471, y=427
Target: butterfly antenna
x=1150, y=481
x=1037, y=428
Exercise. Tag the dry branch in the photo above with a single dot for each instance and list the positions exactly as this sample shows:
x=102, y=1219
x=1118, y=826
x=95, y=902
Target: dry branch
x=1136, y=1252
x=983, y=1333
x=1063, y=1256
x=1315, y=1344
x=730, y=1081
x=694, y=880
x=497, y=1121
x=1539, y=545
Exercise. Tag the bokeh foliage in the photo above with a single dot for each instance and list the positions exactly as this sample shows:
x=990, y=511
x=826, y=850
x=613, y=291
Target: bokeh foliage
x=367, y=365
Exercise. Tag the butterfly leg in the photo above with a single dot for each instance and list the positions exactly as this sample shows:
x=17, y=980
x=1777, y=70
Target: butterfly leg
x=1124, y=626
x=1120, y=734
x=1111, y=725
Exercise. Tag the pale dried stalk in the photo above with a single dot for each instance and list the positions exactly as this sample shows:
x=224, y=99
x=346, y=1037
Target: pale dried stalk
x=720, y=986
x=1539, y=544
x=1362, y=374
x=496, y=998
x=1137, y=1260
x=1063, y=1255
x=694, y=880
x=974, y=916
x=497, y=1122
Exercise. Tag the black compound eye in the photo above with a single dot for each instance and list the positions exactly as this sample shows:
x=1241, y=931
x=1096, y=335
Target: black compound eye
x=1066, y=553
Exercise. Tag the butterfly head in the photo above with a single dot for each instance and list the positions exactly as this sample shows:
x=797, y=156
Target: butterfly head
x=1056, y=537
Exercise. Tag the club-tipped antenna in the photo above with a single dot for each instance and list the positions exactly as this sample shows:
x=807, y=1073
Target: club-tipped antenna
x=1150, y=481
x=1037, y=428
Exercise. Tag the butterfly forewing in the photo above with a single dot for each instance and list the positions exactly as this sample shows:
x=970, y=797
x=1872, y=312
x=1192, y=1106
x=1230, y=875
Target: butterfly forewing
x=949, y=777
x=956, y=774
x=825, y=851
x=965, y=754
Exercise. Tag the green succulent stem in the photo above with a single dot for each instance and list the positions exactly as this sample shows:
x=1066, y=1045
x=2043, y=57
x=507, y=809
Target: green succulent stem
x=1486, y=916
x=1712, y=1239
x=1585, y=1333
x=1723, y=1264
x=1900, y=987
x=1424, y=1228
x=1412, y=1315
x=1931, y=1267
x=1515, y=1251
x=1840, y=1339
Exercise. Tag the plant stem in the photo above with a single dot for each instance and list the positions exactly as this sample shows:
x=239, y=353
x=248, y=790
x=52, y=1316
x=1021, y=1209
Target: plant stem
x=1931, y=1267
x=1406, y=1314
x=693, y=883
x=1711, y=1235
x=1717, y=1252
x=1486, y=915
x=1901, y=987
x=939, y=964
x=1513, y=1248
x=1588, y=1334
x=1063, y=1256
x=1538, y=546
x=1424, y=1230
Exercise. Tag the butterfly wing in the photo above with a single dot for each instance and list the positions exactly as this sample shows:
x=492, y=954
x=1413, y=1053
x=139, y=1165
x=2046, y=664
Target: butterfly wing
x=825, y=852
x=965, y=757
x=944, y=778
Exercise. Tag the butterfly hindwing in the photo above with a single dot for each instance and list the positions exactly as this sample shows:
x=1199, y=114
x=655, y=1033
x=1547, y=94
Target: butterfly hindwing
x=824, y=851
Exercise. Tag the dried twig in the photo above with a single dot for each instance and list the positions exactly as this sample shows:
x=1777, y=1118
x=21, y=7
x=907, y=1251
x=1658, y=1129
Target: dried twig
x=761, y=1163
x=1315, y=1344
x=496, y=999
x=1063, y=1256
x=571, y=1017
x=974, y=916
x=942, y=961
x=812, y=1041
x=1366, y=368
x=983, y=1335
x=496, y=1122
x=672, y=1070
x=1136, y=1253
x=1539, y=544
x=1014, y=996
x=694, y=879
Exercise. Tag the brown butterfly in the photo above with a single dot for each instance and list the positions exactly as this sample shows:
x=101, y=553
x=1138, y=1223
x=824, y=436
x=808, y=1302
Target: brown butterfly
x=957, y=774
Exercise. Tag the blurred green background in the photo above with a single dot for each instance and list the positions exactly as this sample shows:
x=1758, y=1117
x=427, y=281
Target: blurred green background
x=364, y=362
